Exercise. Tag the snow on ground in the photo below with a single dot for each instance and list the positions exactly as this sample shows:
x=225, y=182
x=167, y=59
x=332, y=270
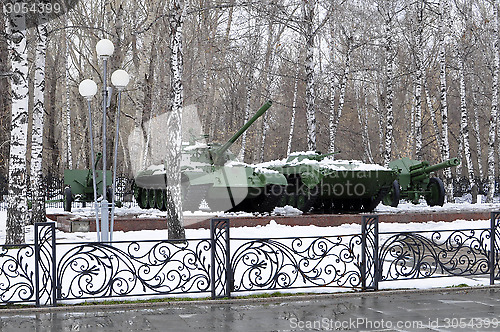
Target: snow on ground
x=274, y=230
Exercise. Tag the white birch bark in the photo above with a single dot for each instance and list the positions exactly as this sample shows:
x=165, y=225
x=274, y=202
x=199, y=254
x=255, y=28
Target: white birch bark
x=445, y=150
x=174, y=199
x=17, y=203
x=464, y=125
x=477, y=134
x=67, y=110
x=494, y=108
x=338, y=113
x=362, y=111
x=380, y=121
x=389, y=58
x=419, y=78
x=241, y=155
x=308, y=15
x=37, y=185
x=294, y=110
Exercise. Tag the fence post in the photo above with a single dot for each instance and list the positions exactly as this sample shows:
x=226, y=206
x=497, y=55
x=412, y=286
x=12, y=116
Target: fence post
x=221, y=278
x=45, y=263
x=495, y=216
x=370, y=268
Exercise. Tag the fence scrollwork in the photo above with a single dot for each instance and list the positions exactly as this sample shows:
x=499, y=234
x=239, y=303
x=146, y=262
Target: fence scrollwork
x=142, y=268
x=272, y=264
x=412, y=255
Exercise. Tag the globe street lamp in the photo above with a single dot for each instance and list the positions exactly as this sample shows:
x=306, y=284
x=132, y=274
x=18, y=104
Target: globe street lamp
x=119, y=79
x=88, y=89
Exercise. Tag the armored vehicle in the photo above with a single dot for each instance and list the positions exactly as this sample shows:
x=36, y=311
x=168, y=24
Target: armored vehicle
x=317, y=183
x=210, y=172
x=415, y=179
x=78, y=185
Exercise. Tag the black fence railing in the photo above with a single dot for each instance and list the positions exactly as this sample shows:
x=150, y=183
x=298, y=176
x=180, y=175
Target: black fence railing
x=47, y=272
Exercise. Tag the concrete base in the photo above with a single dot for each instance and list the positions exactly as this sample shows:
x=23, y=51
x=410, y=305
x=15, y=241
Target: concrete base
x=69, y=223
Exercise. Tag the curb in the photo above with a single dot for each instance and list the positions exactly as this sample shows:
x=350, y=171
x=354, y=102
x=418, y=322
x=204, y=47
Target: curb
x=278, y=299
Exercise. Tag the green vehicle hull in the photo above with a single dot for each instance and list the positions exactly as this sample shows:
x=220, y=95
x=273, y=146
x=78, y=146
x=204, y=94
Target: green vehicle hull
x=335, y=186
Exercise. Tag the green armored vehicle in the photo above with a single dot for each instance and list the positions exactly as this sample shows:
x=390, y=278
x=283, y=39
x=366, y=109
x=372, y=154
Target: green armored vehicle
x=317, y=183
x=210, y=172
x=78, y=185
x=415, y=180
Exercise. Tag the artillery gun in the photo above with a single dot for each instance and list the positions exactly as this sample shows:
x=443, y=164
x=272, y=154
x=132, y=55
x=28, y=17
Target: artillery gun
x=78, y=185
x=210, y=172
x=416, y=179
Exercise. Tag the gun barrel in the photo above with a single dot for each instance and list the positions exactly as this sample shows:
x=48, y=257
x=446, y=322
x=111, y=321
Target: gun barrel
x=424, y=168
x=240, y=132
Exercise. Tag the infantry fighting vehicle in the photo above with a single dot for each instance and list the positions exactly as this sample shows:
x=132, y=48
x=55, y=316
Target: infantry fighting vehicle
x=316, y=183
x=208, y=171
x=415, y=179
x=79, y=187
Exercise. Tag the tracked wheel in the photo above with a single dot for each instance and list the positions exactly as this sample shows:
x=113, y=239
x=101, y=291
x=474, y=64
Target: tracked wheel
x=159, y=197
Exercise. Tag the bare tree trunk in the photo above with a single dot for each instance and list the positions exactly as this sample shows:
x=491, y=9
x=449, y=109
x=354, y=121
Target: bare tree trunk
x=477, y=134
x=308, y=15
x=432, y=112
x=494, y=108
x=294, y=110
x=389, y=58
x=17, y=204
x=419, y=79
x=445, y=150
x=174, y=199
x=343, y=84
x=464, y=129
x=67, y=111
x=241, y=155
x=37, y=185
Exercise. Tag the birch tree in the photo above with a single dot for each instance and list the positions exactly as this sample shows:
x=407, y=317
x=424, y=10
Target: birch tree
x=388, y=16
x=17, y=203
x=308, y=17
x=335, y=115
x=174, y=201
x=494, y=106
x=37, y=185
x=445, y=149
x=419, y=77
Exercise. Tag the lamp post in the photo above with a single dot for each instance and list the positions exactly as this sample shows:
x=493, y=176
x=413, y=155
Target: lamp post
x=88, y=89
x=119, y=79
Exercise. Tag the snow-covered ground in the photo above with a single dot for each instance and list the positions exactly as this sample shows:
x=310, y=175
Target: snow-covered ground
x=274, y=230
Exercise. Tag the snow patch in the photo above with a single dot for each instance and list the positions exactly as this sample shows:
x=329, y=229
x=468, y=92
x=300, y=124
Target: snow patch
x=286, y=211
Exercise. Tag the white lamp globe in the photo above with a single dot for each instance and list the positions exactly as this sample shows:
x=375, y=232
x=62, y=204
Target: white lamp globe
x=105, y=48
x=120, y=79
x=87, y=88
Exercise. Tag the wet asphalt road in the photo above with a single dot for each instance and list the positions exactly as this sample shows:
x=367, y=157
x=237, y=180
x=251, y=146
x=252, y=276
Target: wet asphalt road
x=476, y=309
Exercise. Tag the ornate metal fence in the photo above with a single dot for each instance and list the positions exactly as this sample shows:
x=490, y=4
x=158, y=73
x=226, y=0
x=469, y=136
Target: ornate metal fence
x=47, y=272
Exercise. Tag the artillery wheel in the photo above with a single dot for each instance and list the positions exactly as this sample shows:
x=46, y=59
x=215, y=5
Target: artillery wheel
x=435, y=195
x=68, y=199
x=159, y=198
x=394, y=195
